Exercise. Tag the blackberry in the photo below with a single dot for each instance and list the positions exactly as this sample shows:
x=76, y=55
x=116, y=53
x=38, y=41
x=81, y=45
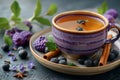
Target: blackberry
x=18, y=40
x=40, y=43
x=6, y=67
x=112, y=12
x=5, y=48
x=23, y=54
x=26, y=36
x=109, y=17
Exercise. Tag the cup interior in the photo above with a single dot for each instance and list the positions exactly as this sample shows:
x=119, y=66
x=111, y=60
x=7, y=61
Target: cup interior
x=78, y=13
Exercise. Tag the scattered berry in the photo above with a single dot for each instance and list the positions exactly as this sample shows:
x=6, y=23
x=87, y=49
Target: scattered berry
x=88, y=62
x=81, y=61
x=79, y=29
x=115, y=52
x=5, y=48
x=63, y=61
x=23, y=54
x=62, y=58
x=111, y=57
x=20, y=48
x=6, y=67
x=95, y=62
x=55, y=60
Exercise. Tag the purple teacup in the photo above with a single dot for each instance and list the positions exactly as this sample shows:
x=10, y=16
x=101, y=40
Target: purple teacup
x=77, y=41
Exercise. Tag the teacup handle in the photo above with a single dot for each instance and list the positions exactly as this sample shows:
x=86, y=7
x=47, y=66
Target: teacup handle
x=117, y=36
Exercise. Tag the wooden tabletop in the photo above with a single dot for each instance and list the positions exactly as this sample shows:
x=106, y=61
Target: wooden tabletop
x=41, y=72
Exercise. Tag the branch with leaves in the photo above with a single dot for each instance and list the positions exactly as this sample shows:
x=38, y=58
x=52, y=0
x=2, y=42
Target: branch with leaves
x=17, y=20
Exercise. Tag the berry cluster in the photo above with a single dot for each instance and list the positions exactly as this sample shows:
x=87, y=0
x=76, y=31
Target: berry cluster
x=89, y=62
x=59, y=60
x=40, y=44
x=111, y=15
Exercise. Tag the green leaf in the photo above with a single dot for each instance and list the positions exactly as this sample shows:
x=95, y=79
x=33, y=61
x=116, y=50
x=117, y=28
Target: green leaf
x=38, y=8
x=22, y=26
x=44, y=21
x=71, y=64
x=103, y=8
x=15, y=8
x=8, y=40
x=50, y=43
x=52, y=10
x=4, y=23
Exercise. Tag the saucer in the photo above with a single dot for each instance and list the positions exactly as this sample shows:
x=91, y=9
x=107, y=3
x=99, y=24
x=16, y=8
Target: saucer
x=72, y=70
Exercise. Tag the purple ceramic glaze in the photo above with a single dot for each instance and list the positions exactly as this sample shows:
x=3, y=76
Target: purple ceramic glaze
x=80, y=43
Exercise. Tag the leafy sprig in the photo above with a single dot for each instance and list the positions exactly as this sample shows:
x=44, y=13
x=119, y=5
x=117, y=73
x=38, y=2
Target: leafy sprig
x=103, y=8
x=17, y=20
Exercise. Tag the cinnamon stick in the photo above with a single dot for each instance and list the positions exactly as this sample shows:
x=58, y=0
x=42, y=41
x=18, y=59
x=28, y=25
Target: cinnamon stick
x=106, y=52
x=51, y=54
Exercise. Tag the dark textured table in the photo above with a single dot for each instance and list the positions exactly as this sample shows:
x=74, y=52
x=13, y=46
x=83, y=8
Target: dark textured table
x=41, y=72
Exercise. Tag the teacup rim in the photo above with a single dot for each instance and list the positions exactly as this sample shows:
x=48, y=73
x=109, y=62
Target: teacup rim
x=78, y=12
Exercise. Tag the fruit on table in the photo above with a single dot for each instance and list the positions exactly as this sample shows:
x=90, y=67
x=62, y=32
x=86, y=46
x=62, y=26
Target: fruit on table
x=23, y=54
x=5, y=47
x=6, y=67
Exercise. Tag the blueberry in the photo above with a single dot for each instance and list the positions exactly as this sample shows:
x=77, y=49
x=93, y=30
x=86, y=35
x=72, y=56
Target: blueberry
x=62, y=58
x=6, y=67
x=23, y=54
x=95, y=62
x=81, y=61
x=62, y=62
x=81, y=21
x=111, y=57
x=5, y=48
x=20, y=48
x=55, y=60
x=88, y=62
x=46, y=50
x=115, y=52
x=79, y=29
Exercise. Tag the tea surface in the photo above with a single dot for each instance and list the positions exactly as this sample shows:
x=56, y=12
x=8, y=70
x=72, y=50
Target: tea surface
x=71, y=22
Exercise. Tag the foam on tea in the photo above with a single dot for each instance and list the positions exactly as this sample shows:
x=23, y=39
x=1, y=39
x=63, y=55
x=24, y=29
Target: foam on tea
x=80, y=22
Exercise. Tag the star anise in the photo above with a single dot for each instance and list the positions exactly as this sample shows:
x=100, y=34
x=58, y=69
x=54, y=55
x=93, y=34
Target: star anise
x=20, y=75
